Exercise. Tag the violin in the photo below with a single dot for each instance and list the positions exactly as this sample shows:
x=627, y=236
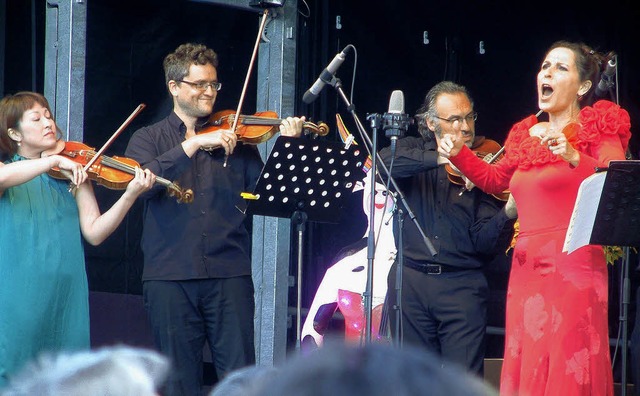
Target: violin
x=111, y=172
x=489, y=151
x=256, y=128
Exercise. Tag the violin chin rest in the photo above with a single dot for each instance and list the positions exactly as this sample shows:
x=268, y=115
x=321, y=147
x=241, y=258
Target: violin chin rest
x=477, y=141
x=59, y=147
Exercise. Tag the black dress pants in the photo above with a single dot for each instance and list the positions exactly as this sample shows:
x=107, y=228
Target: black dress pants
x=186, y=314
x=445, y=313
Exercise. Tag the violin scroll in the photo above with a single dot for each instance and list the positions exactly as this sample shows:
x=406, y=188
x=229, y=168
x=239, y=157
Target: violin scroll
x=321, y=129
x=182, y=196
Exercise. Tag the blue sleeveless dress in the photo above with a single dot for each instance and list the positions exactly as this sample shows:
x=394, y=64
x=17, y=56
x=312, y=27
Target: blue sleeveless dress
x=44, y=297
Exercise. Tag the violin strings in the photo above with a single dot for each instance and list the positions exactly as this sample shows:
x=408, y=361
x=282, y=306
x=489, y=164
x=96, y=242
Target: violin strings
x=121, y=166
x=257, y=120
x=267, y=121
x=186, y=196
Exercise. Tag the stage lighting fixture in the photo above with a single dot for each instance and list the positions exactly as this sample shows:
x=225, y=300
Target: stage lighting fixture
x=266, y=3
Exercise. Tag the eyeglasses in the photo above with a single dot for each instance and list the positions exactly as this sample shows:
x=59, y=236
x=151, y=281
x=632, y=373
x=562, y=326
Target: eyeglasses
x=469, y=118
x=203, y=85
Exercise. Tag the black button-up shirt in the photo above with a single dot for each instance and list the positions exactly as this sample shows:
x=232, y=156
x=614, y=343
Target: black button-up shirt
x=466, y=229
x=207, y=238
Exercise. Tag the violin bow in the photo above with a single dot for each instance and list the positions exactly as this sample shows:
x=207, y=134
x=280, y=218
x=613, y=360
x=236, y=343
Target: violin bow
x=246, y=80
x=114, y=136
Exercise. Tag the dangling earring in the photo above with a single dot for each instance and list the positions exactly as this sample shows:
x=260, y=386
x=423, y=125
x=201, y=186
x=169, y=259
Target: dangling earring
x=19, y=144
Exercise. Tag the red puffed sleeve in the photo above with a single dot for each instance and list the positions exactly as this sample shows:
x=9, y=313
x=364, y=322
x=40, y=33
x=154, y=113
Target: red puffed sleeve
x=605, y=133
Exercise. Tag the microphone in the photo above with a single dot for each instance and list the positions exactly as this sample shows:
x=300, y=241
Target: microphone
x=396, y=122
x=606, y=79
x=325, y=77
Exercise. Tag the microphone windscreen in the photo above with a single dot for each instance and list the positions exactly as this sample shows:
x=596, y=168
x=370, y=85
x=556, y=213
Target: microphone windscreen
x=396, y=102
x=309, y=97
x=610, y=69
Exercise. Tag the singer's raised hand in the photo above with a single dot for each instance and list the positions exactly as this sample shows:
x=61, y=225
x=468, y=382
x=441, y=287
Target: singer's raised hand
x=559, y=145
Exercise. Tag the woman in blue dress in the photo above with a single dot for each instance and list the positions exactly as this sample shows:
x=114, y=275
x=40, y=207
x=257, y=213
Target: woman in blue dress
x=44, y=303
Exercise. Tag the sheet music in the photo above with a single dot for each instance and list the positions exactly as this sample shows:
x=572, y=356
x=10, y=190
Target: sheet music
x=584, y=212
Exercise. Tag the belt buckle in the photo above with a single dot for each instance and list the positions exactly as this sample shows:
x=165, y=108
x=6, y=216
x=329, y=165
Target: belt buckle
x=435, y=271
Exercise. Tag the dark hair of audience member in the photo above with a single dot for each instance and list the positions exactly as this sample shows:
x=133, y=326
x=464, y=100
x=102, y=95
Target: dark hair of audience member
x=371, y=370
x=243, y=381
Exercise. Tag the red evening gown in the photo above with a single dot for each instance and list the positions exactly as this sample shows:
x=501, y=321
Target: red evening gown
x=557, y=339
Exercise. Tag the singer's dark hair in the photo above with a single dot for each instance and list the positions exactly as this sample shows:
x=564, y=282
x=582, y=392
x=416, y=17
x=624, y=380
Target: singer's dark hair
x=428, y=108
x=590, y=64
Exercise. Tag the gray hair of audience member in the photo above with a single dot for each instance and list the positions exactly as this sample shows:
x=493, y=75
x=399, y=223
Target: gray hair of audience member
x=108, y=371
x=372, y=370
x=244, y=381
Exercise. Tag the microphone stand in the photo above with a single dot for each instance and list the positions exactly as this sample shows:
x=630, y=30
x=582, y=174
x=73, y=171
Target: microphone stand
x=371, y=238
x=398, y=287
x=375, y=158
x=623, y=318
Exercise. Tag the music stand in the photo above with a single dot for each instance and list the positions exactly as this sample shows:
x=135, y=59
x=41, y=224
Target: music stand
x=617, y=223
x=306, y=180
x=617, y=220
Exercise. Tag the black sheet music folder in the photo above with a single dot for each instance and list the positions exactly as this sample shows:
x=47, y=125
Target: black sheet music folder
x=312, y=176
x=617, y=221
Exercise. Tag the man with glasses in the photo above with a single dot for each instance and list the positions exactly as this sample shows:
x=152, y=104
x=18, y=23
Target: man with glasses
x=197, y=282
x=444, y=297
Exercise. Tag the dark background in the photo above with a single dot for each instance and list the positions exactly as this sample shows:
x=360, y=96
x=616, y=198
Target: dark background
x=127, y=40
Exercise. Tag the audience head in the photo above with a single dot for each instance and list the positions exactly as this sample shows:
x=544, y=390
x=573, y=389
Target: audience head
x=371, y=370
x=244, y=381
x=112, y=371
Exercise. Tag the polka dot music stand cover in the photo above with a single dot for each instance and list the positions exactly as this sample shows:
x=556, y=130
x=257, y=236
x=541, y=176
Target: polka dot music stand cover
x=312, y=176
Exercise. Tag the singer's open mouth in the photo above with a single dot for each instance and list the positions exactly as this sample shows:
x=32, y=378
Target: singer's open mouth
x=546, y=91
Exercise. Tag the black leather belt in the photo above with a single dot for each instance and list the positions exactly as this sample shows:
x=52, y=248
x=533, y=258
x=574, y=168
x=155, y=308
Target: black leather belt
x=434, y=269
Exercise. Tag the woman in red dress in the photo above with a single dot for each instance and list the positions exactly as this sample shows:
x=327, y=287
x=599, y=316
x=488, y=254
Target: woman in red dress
x=557, y=340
